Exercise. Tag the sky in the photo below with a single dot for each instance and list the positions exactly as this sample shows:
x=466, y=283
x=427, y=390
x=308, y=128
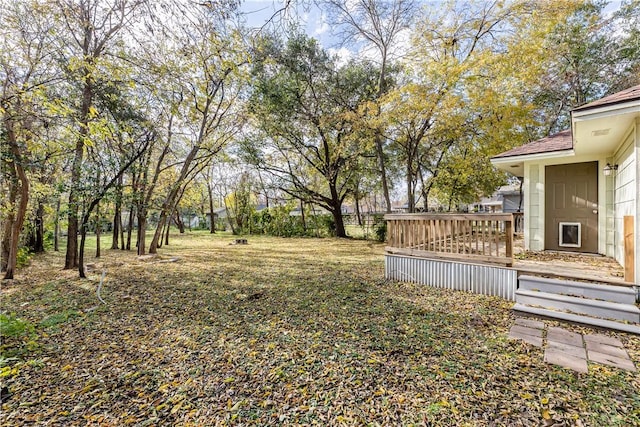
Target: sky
x=314, y=23
x=312, y=19
x=257, y=12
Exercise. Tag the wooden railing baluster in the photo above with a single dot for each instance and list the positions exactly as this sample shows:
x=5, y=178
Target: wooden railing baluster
x=474, y=237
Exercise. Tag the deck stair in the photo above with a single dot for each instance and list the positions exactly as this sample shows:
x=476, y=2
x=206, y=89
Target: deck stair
x=602, y=305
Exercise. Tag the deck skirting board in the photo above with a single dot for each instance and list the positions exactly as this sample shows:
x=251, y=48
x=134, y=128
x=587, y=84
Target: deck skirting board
x=455, y=275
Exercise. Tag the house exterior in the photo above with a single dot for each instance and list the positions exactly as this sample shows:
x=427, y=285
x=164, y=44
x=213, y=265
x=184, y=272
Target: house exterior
x=582, y=186
x=505, y=199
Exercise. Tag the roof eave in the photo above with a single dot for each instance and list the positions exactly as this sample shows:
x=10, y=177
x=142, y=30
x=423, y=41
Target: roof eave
x=616, y=107
x=530, y=157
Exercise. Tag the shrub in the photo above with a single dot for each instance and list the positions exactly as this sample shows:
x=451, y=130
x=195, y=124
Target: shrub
x=380, y=228
x=329, y=224
x=23, y=256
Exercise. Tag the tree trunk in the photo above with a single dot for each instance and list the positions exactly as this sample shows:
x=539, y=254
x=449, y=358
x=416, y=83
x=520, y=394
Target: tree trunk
x=382, y=86
x=178, y=220
x=10, y=219
x=383, y=172
x=16, y=228
x=212, y=225
x=71, y=258
x=142, y=225
x=411, y=198
x=21, y=212
x=39, y=242
x=230, y=220
x=98, y=231
x=129, y=229
x=95, y=202
x=83, y=238
x=117, y=216
x=121, y=233
x=115, y=236
x=304, y=220
x=339, y=220
x=56, y=228
x=358, y=214
x=161, y=241
x=336, y=204
x=166, y=235
x=169, y=203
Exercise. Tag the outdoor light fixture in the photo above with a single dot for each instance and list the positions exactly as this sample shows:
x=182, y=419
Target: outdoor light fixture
x=609, y=168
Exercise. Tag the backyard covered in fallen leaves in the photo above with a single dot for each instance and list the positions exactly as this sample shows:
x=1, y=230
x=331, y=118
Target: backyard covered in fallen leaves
x=281, y=332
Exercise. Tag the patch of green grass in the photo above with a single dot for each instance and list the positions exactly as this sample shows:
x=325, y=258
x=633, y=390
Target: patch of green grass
x=17, y=337
x=12, y=327
x=58, y=318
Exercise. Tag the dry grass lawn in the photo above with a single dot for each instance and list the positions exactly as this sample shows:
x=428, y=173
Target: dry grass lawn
x=281, y=332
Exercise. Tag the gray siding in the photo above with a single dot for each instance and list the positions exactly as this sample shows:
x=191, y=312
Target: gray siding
x=479, y=279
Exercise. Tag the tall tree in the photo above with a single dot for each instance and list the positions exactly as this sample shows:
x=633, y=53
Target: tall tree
x=464, y=93
x=378, y=24
x=594, y=53
x=27, y=69
x=208, y=74
x=93, y=27
x=308, y=112
x=137, y=149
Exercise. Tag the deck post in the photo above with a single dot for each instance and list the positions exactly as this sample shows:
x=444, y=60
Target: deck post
x=508, y=230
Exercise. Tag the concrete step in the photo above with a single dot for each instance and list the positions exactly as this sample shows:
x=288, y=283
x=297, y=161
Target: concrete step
x=606, y=292
x=577, y=318
x=590, y=307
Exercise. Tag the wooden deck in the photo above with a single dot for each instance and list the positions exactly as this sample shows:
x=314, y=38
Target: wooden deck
x=576, y=271
x=568, y=265
x=489, y=239
x=481, y=254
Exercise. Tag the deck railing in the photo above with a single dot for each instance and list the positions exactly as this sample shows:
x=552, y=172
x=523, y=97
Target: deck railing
x=518, y=222
x=473, y=237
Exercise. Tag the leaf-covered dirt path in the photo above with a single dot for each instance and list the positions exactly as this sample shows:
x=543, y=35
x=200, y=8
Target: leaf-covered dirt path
x=283, y=332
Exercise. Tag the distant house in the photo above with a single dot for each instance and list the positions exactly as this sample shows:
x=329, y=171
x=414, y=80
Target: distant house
x=582, y=185
x=315, y=210
x=506, y=199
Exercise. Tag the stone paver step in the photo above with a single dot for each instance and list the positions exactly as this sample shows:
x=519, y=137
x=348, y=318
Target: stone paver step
x=616, y=362
x=530, y=323
x=528, y=335
x=608, y=349
x=603, y=339
x=563, y=336
x=558, y=357
x=570, y=349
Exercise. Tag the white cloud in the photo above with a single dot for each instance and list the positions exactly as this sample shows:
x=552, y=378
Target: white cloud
x=322, y=28
x=343, y=54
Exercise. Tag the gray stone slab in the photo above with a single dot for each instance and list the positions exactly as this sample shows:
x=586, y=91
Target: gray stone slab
x=564, y=336
x=527, y=331
x=603, y=339
x=616, y=362
x=558, y=357
x=529, y=323
x=607, y=349
x=529, y=339
x=568, y=349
